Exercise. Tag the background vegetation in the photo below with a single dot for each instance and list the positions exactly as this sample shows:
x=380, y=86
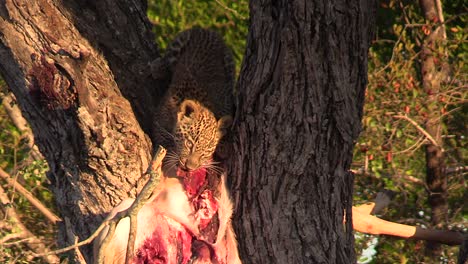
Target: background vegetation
x=390, y=152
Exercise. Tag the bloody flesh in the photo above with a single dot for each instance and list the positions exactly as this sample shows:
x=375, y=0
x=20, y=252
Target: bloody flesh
x=170, y=241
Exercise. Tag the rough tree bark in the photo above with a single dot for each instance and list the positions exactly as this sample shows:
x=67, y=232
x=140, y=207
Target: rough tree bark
x=434, y=69
x=301, y=93
x=55, y=57
x=79, y=71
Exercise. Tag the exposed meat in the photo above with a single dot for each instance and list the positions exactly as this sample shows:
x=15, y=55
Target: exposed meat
x=206, y=207
x=159, y=246
x=193, y=180
x=188, y=218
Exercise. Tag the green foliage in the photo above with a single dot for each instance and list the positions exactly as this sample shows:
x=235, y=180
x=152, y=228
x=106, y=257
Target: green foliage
x=227, y=17
x=391, y=148
x=10, y=143
x=15, y=159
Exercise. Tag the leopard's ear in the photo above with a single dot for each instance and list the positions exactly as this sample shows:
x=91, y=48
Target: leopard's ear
x=224, y=123
x=187, y=109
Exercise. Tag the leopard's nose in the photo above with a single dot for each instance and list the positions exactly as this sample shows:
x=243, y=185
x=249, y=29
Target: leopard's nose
x=192, y=162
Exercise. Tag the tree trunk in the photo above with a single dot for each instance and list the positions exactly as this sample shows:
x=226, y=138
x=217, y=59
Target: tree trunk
x=68, y=65
x=432, y=76
x=301, y=93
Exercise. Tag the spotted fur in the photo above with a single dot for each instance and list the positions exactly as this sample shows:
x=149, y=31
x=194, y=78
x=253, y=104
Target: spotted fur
x=195, y=111
x=197, y=134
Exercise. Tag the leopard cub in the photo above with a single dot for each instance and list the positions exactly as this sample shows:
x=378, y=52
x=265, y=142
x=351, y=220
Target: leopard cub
x=197, y=134
x=195, y=112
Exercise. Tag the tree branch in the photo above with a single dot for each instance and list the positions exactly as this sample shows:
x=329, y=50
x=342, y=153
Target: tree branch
x=366, y=223
x=373, y=225
x=13, y=111
x=11, y=236
x=381, y=201
x=73, y=239
x=132, y=212
x=422, y=130
x=67, y=90
x=440, y=16
x=142, y=198
x=34, y=243
x=33, y=200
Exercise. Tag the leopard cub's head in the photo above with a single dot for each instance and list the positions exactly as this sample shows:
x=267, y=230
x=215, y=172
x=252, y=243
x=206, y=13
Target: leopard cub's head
x=197, y=133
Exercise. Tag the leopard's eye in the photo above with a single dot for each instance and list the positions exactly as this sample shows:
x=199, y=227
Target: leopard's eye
x=188, y=144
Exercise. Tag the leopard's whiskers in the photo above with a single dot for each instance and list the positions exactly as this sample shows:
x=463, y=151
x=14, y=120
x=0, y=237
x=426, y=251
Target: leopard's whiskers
x=211, y=165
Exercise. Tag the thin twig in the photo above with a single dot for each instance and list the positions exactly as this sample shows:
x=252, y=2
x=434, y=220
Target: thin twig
x=413, y=147
x=437, y=118
x=413, y=179
x=72, y=238
x=13, y=111
x=365, y=223
x=11, y=236
x=440, y=16
x=422, y=130
x=20, y=241
x=393, y=51
x=82, y=243
x=107, y=239
x=79, y=256
x=34, y=243
x=230, y=9
x=141, y=199
x=132, y=212
x=33, y=200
